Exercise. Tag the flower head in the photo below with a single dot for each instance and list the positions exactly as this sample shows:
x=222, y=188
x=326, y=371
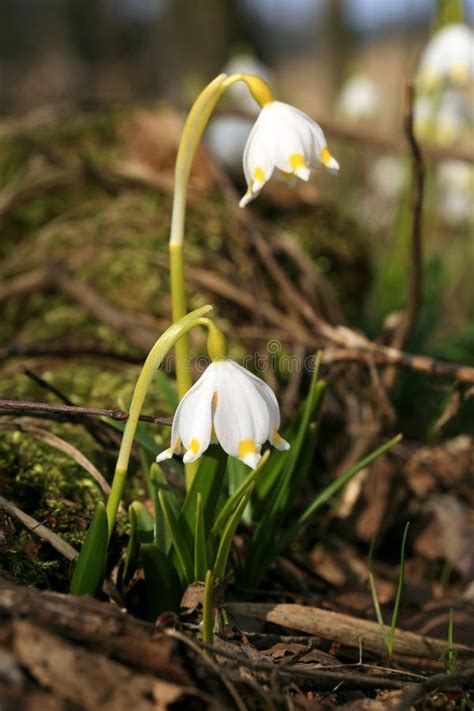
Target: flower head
x=286, y=139
x=448, y=56
x=229, y=405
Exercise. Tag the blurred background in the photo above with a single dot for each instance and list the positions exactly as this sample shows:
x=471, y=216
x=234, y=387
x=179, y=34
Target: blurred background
x=124, y=50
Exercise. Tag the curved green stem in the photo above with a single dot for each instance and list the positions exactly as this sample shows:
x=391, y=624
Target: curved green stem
x=192, y=132
x=154, y=359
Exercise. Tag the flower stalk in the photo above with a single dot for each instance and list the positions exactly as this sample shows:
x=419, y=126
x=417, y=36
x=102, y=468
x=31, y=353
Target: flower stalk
x=193, y=129
x=167, y=340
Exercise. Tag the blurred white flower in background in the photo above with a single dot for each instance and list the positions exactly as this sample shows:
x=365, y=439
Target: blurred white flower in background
x=388, y=176
x=455, y=183
x=448, y=57
x=444, y=118
x=285, y=139
x=226, y=137
x=359, y=99
x=231, y=406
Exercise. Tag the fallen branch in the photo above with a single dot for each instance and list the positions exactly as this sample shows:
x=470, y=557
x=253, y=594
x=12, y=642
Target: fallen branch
x=344, y=629
x=28, y=406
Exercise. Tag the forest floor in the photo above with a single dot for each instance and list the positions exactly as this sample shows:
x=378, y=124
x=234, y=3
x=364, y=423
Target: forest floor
x=85, y=203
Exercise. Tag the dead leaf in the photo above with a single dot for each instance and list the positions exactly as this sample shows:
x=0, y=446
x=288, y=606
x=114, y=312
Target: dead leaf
x=86, y=678
x=450, y=536
x=446, y=464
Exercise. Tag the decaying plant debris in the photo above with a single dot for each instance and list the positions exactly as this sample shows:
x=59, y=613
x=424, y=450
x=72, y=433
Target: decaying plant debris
x=77, y=197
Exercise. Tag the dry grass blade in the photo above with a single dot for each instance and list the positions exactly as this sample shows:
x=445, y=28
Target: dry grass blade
x=39, y=530
x=63, y=446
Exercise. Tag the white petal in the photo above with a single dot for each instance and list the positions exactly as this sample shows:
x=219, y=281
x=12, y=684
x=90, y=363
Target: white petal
x=192, y=422
x=251, y=460
x=166, y=454
x=273, y=409
x=241, y=418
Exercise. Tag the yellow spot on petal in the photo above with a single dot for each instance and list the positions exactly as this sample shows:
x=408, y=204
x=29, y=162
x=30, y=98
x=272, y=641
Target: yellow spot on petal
x=297, y=161
x=195, y=446
x=259, y=174
x=247, y=446
x=276, y=439
x=326, y=157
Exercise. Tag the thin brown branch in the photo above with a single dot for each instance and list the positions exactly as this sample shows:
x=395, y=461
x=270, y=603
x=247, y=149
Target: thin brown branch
x=410, y=315
x=27, y=406
x=323, y=679
x=438, y=681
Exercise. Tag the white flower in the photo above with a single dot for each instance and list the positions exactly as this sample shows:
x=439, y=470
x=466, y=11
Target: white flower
x=286, y=139
x=445, y=119
x=455, y=182
x=449, y=55
x=230, y=405
x=359, y=98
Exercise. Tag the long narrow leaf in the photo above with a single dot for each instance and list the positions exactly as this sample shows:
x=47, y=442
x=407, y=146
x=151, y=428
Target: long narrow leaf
x=233, y=501
x=285, y=489
x=142, y=526
x=180, y=543
x=159, y=483
x=331, y=490
x=163, y=588
x=208, y=483
x=401, y=579
x=90, y=566
x=228, y=535
x=200, y=550
x=208, y=610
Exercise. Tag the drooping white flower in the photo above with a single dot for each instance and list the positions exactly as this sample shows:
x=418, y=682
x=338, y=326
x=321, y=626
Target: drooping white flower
x=448, y=56
x=359, y=98
x=285, y=139
x=228, y=405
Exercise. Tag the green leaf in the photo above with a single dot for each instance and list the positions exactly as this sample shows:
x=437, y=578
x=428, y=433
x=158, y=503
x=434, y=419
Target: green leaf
x=142, y=526
x=142, y=437
x=401, y=580
x=163, y=588
x=200, y=549
x=167, y=390
x=237, y=473
x=290, y=479
x=208, y=610
x=208, y=483
x=181, y=541
x=228, y=535
x=90, y=566
x=158, y=482
x=233, y=501
x=331, y=490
